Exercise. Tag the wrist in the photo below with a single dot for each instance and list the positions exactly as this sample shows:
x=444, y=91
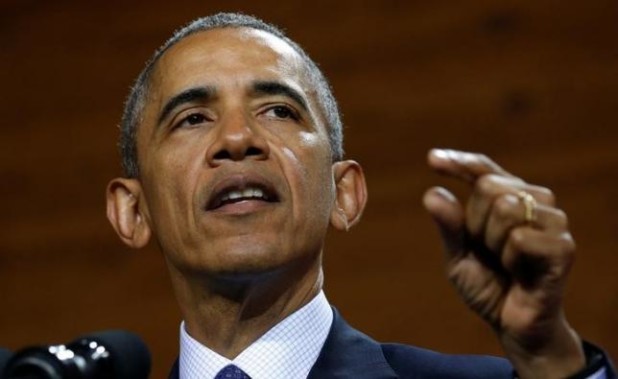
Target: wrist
x=595, y=361
x=561, y=355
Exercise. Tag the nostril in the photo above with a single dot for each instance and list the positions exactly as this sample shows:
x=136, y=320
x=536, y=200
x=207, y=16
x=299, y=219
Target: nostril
x=226, y=154
x=222, y=154
x=253, y=151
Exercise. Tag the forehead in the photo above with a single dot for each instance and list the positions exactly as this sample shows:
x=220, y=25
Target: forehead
x=227, y=56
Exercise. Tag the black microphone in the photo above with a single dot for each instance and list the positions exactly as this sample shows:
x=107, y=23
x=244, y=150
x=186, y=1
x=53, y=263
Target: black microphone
x=110, y=354
x=5, y=355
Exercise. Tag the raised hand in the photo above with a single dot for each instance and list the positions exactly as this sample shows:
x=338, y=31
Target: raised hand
x=509, y=251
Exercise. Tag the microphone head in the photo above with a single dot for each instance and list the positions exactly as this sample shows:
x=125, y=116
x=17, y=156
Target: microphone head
x=128, y=354
x=5, y=355
x=110, y=354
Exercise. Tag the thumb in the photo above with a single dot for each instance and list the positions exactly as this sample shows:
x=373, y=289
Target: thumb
x=448, y=214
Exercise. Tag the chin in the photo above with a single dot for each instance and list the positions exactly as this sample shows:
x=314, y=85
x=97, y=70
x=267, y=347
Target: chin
x=241, y=262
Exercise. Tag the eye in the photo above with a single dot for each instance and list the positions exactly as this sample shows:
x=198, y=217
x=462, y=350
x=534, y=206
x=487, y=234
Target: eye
x=193, y=119
x=282, y=112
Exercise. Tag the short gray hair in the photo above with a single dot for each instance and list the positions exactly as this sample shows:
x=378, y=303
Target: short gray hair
x=136, y=100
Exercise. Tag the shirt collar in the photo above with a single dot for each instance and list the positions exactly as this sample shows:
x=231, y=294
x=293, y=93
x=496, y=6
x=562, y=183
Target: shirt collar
x=288, y=350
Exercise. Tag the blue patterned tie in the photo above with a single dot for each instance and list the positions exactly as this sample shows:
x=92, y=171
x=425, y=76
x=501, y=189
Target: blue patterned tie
x=231, y=372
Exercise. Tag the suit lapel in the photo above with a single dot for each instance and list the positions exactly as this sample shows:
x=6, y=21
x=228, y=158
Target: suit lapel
x=174, y=372
x=348, y=353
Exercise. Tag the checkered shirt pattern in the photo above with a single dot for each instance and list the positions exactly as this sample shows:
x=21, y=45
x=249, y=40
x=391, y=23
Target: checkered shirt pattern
x=601, y=374
x=288, y=350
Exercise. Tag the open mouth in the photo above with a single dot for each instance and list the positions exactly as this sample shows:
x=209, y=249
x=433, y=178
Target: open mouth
x=238, y=191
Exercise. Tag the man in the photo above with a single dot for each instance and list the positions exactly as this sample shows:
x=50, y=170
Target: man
x=232, y=148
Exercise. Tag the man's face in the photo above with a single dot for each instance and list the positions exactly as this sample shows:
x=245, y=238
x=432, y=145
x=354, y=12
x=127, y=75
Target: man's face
x=235, y=162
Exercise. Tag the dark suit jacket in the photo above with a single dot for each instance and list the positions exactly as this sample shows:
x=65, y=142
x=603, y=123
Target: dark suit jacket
x=348, y=353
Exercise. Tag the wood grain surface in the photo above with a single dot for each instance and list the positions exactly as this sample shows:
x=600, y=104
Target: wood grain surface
x=533, y=84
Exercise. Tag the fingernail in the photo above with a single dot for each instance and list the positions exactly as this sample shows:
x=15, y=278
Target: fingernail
x=445, y=194
x=440, y=154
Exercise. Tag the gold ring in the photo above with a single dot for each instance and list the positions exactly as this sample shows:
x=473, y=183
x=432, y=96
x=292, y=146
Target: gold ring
x=529, y=206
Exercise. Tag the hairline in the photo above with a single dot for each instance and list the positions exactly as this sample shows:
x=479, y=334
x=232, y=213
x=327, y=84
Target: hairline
x=137, y=99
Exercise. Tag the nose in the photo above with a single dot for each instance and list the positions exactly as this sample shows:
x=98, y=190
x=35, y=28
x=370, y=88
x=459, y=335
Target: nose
x=236, y=139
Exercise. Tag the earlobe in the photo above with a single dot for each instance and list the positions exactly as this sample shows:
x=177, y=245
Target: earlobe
x=126, y=213
x=351, y=194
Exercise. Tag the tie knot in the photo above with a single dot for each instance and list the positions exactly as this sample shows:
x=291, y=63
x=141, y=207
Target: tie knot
x=232, y=372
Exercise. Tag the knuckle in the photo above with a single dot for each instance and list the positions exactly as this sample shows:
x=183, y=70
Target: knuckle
x=567, y=244
x=517, y=238
x=486, y=183
x=503, y=206
x=561, y=218
x=548, y=195
x=564, y=253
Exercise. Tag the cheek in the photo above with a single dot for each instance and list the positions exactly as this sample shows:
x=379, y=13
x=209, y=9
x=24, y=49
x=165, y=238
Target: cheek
x=170, y=195
x=176, y=163
x=310, y=177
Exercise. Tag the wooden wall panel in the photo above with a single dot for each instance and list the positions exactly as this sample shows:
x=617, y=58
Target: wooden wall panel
x=534, y=85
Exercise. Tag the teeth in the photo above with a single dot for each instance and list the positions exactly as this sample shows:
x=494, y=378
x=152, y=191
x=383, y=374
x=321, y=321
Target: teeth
x=246, y=193
x=234, y=195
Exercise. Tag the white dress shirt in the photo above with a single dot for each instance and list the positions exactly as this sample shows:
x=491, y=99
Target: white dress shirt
x=288, y=350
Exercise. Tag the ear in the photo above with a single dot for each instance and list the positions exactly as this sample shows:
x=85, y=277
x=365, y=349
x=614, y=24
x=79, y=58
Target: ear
x=351, y=194
x=127, y=211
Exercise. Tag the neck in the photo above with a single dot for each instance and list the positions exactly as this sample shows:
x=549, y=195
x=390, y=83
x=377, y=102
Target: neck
x=229, y=314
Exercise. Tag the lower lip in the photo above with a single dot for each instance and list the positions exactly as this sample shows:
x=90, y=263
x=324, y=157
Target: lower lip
x=242, y=207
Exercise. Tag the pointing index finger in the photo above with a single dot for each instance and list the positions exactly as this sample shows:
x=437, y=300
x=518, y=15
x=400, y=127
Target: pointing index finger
x=463, y=165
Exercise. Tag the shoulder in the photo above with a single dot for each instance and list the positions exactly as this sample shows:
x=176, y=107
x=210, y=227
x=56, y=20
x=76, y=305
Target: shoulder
x=406, y=360
x=348, y=353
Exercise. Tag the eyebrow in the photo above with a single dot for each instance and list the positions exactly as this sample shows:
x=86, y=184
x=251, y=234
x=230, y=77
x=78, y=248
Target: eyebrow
x=203, y=94
x=278, y=88
x=190, y=95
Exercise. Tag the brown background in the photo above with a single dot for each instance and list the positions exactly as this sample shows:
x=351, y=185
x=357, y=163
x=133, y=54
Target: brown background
x=533, y=84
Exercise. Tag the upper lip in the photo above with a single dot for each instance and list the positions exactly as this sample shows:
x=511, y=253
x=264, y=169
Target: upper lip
x=241, y=182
